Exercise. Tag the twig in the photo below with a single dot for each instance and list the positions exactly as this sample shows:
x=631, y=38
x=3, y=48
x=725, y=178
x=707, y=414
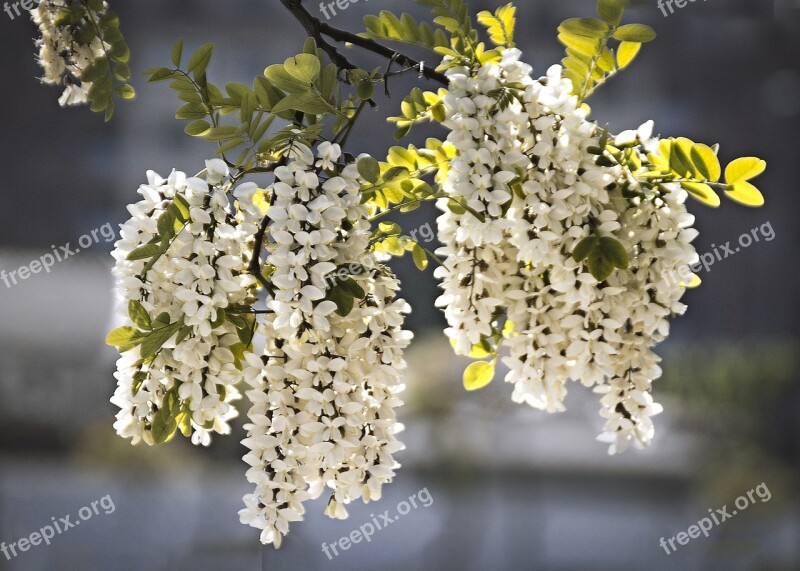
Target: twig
x=317, y=29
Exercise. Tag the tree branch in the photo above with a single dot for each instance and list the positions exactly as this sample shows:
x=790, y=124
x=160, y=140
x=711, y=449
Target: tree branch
x=317, y=30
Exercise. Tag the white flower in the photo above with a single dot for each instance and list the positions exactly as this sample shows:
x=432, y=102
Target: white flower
x=516, y=266
x=203, y=271
x=325, y=391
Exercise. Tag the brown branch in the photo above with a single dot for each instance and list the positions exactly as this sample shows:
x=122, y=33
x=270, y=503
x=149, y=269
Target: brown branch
x=317, y=30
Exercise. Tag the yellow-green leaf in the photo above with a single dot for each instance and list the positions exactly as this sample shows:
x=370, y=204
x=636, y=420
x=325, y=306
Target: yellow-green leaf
x=120, y=336
x=611, y=10
x=744, y=169
x=693, y=282
x=478, y=375
x=703, y=193
x=627, y=52
x=420, y=257
x=500, y=25
x=706, y=161
x=635, y=33
x=478, y=351
x=745, y=193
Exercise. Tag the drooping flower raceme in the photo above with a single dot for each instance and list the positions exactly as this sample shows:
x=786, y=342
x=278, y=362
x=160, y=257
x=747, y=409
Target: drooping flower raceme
x=325, y=389
x=526, y=167
x=62, y=55
x=181, y=263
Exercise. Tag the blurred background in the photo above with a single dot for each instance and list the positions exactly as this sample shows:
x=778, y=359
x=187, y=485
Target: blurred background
x=511, y=488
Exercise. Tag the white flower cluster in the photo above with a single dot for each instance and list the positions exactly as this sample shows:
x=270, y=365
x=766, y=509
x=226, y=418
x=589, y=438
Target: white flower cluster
x=62, y=57
x=193, y=375
x=325, y=390
x=525, y=166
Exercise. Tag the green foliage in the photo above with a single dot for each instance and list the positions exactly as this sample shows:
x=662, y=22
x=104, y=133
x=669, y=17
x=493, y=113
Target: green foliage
x=387, y=26
x=109, y=74
x=697, y=168
x=500, y=25
x=602, y=255
x=419, y=107
x=170, y=224
x=298, y=87
x=478, y=375
x=590, y=59
x=400, y=179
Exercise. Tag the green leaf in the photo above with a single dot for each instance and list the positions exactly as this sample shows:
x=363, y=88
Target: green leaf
x=285, y=81
x=303, y=67
x=159, y=74
x=599, y=265
x=177, y=52
x=161, y=320
x=640, y=33
x=192, y=110
x=343, y=299
x=353, y=288
x=198, y=128
x=478, y=375
x=164, y=426
x=584, y=248
x=365, y=89
x=144, y=252
x=184, y=421
x=139, y=315
x=166, y=226
x=369, y=169
x=95, y=70
x=183, y=206
x=611, y=11
x=308, y=102
x=125, y=91
x=123, y=338
x=420, y=257
x=154, y=341
x=614, y=251
x=585, y=27
x=200, y=59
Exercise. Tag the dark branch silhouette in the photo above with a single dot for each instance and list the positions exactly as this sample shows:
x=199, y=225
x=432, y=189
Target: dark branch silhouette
x=318, y=30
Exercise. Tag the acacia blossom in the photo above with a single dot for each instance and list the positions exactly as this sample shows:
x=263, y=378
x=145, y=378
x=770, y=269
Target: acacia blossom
x=188, y=288
x=62, y=56
x=325, y=389
x=525, y=166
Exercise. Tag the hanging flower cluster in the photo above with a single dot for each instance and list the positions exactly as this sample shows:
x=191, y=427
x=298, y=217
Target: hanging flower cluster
x=325, y=389
x=63, y=57
x=181, y=264
x=81, y=47
x=527, y=168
